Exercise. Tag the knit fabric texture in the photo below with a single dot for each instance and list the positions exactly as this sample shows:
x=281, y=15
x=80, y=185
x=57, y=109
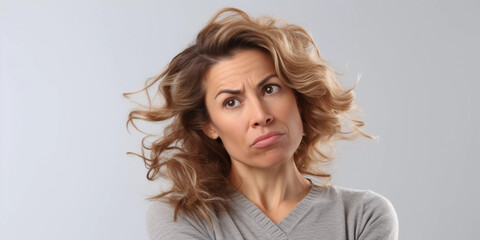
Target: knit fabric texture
x=325, y=213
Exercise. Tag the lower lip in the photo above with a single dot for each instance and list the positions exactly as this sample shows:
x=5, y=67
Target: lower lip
x=268, y=141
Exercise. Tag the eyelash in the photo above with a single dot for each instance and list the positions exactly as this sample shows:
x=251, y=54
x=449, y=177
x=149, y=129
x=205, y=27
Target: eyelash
x=263, y=92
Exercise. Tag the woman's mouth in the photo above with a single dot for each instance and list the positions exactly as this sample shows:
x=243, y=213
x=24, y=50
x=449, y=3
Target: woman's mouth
x=267, y=139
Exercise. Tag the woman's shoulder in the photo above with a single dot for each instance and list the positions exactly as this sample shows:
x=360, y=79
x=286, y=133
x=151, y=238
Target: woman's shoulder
x=358, y=196
x=373, y=212
x=365, y=200
x=161, y=225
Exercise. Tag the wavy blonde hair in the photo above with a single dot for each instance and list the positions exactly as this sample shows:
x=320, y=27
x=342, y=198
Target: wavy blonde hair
x=197, y=165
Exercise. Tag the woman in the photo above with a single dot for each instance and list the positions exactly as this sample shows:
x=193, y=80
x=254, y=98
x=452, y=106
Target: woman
x=252, y=107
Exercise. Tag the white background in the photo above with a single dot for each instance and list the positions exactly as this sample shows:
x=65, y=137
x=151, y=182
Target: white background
x=64, y=65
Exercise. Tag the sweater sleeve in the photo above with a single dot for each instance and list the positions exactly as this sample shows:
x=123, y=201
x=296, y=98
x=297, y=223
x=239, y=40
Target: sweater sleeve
x=379, y=220
x=160, y=224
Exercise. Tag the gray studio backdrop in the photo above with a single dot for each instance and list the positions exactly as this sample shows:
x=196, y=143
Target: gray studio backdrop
x=64, y=171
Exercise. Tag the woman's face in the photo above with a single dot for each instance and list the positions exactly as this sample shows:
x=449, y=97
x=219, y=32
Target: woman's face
x=252, y=111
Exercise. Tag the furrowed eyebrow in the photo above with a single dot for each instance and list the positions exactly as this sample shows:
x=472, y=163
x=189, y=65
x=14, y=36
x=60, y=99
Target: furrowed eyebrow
x=260, y=84
x=228, y=91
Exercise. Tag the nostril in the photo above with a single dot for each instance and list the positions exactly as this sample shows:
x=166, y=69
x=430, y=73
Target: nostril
x=268, y=120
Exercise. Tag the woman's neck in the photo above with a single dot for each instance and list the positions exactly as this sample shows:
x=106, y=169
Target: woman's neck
x=272, y=190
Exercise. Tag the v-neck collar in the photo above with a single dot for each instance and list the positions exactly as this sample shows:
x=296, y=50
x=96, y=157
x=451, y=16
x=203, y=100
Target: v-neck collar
x=286, y=225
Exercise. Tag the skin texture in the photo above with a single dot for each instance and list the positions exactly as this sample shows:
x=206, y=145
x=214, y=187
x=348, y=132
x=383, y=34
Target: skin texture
x=246, y=100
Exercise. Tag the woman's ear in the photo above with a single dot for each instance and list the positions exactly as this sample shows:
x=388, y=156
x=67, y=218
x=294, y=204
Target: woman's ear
x=210, y=131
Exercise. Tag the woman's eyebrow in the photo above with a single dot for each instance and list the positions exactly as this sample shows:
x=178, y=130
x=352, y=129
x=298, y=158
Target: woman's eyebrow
x=228, y=91
x=260, y=84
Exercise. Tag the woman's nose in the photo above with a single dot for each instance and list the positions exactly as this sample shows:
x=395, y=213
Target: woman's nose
x=260, y=114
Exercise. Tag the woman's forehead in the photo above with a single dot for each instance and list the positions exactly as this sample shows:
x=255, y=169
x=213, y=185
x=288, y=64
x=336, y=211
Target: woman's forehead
x=251, y=65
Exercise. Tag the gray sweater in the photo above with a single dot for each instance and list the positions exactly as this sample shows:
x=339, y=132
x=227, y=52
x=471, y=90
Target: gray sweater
x=325, y=213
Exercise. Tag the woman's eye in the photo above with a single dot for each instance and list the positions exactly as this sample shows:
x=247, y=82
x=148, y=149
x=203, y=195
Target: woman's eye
x=231, y=103
x=271, y=89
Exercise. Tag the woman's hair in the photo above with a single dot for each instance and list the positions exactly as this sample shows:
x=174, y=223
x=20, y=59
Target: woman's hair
x=197, y=165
